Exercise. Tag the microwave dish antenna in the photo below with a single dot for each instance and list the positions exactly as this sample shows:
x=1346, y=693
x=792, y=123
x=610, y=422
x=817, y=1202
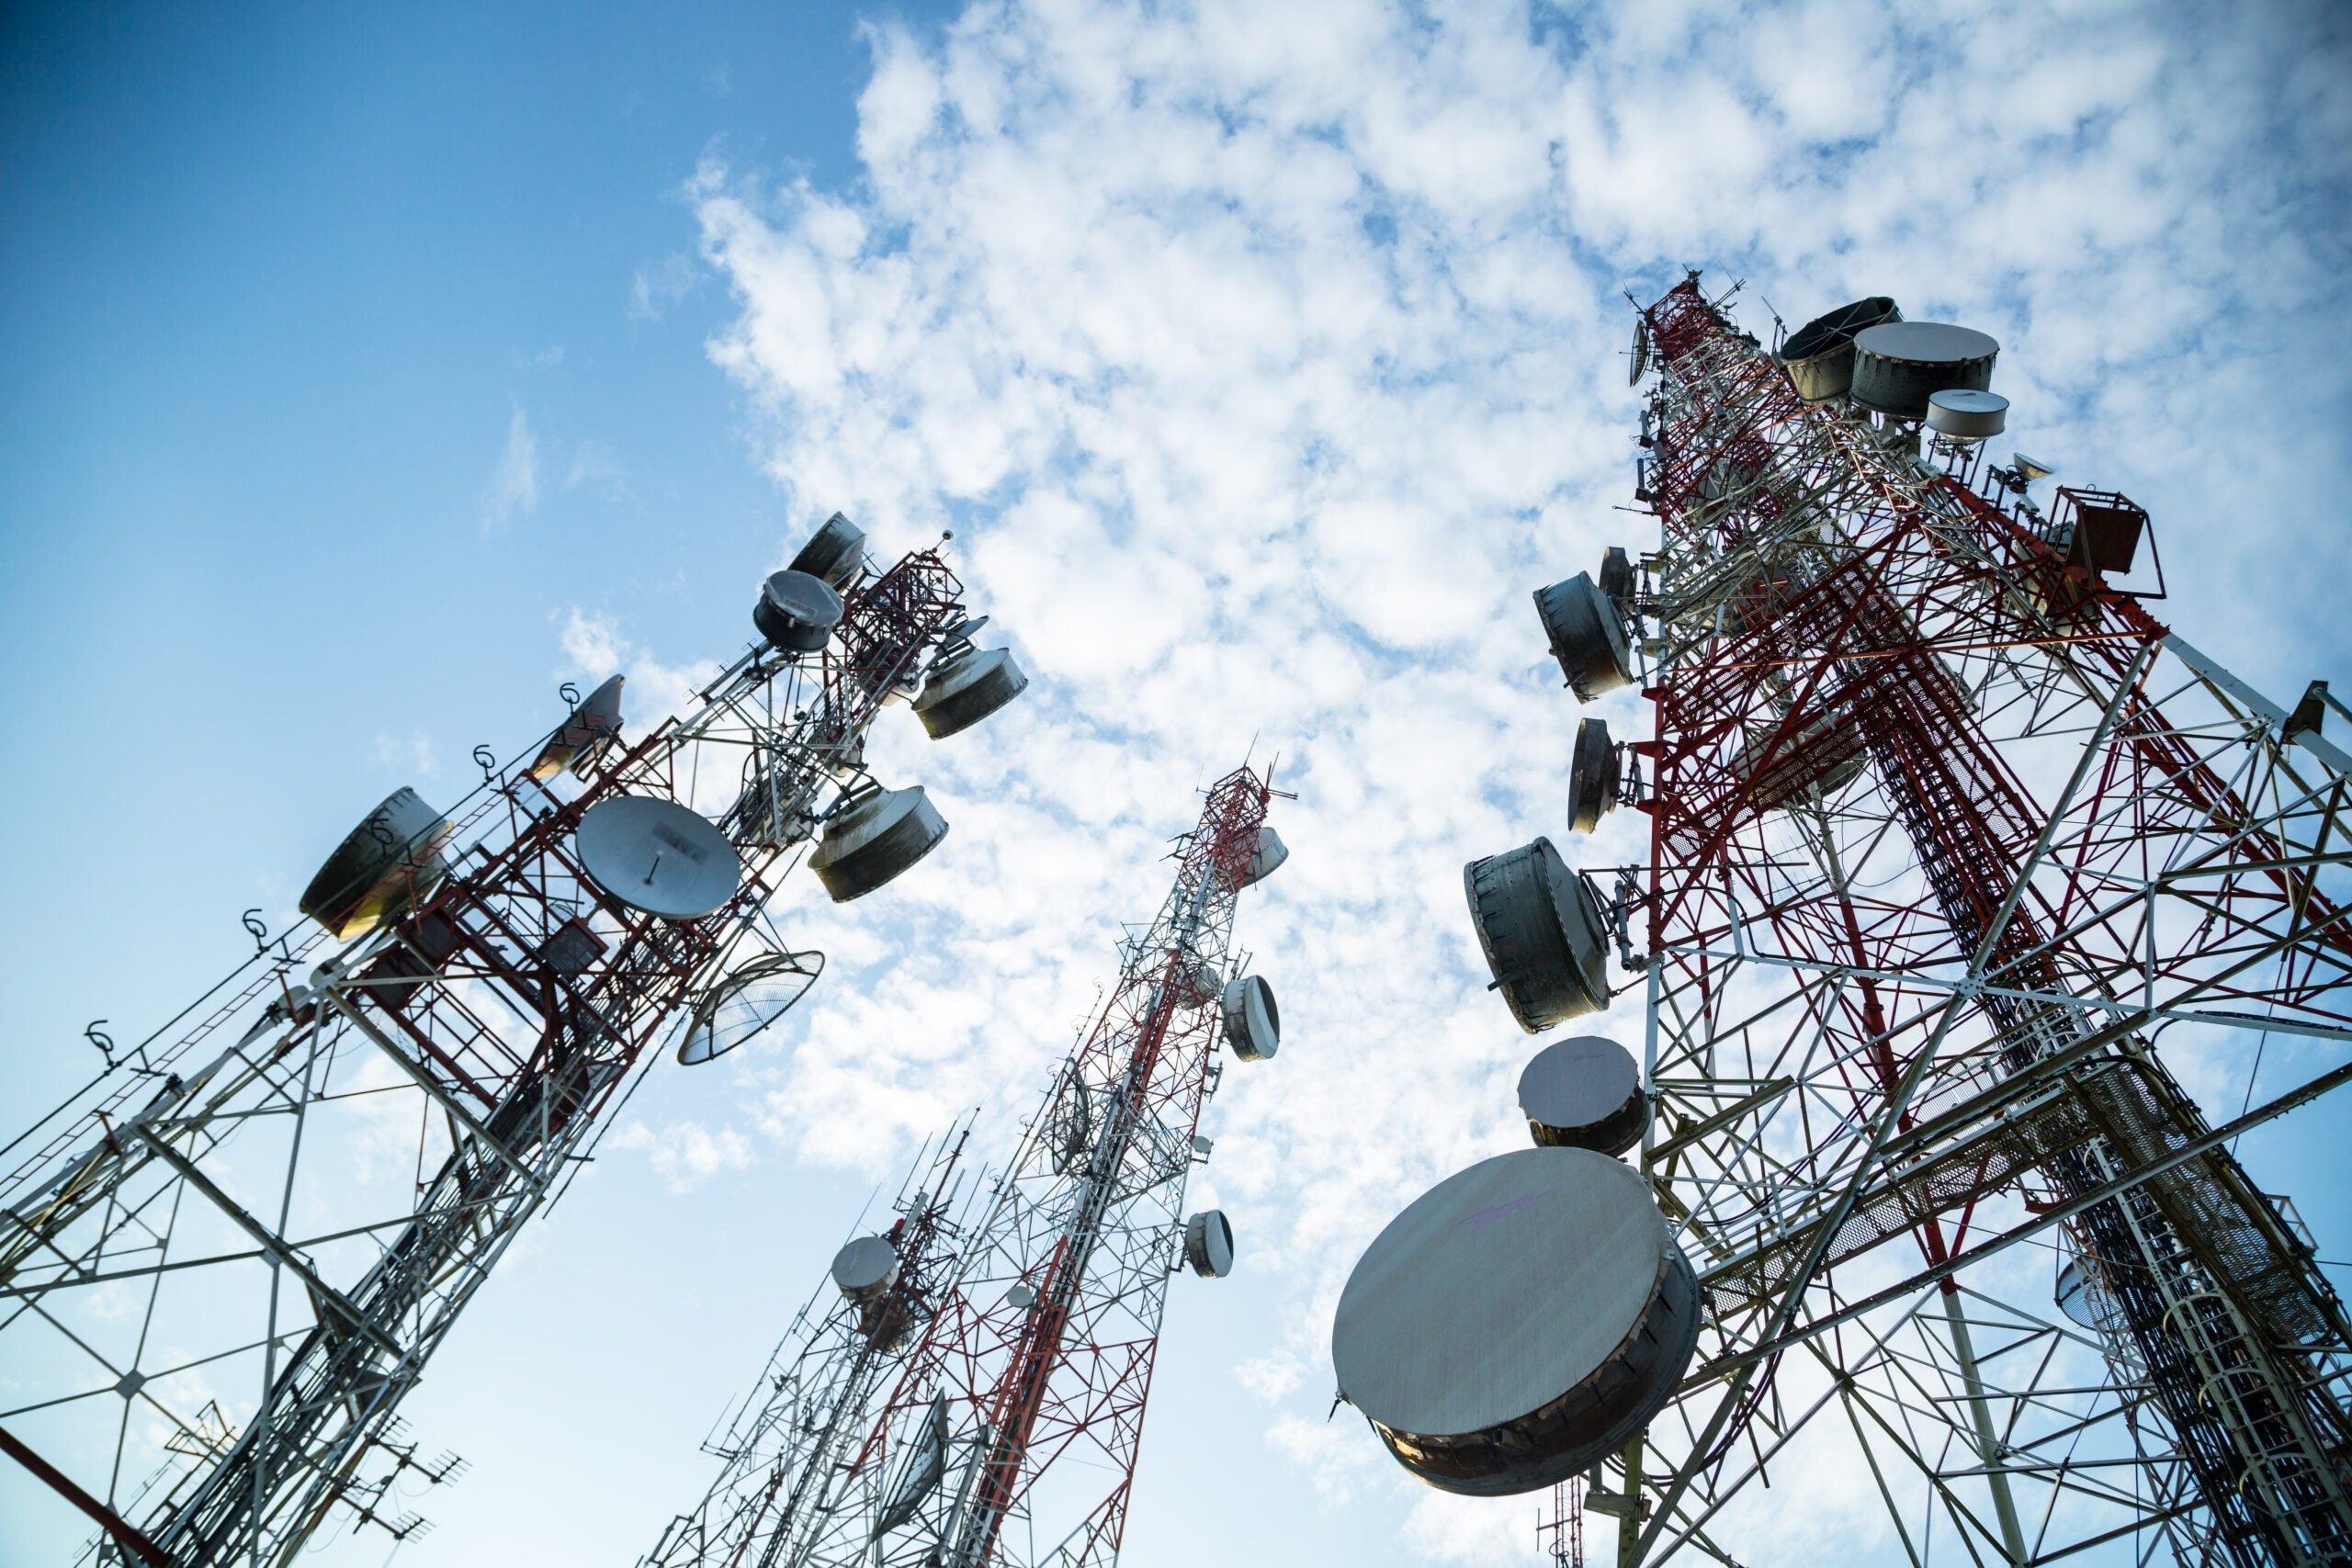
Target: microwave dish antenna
x=381, y=868
x=747, y=1003
x=1578, y=1321
x=658, y=856
x=797, y=611
x=834, y=555
x=592, y=725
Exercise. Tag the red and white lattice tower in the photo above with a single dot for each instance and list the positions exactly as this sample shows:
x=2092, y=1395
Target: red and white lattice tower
x=1009, y=1434
x=228, y=1259
x=1948, y=834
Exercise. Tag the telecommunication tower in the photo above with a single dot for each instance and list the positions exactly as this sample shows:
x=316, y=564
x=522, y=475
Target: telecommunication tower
x=1947, y=833
x=1009, y=1432
x=783, y=1447
x=226, y=1260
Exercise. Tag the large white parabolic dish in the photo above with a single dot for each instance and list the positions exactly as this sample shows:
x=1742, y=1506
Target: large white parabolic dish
x=658, y=856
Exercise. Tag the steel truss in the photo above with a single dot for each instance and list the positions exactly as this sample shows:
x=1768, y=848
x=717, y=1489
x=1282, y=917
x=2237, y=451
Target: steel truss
x=785, y=1447
x=1946, y=835
x=1009, y=1432
x=225, y=1262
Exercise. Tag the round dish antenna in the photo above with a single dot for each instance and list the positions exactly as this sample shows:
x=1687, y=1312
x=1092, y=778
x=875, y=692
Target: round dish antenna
x=796, y=612
x=867, y=1269
x=1252, y=1026
x=658, y=856
x=1518, y=1322
x=1898, y=366
x=1542, y=933
x=1585, y=635
x=834, y=553
x=2083, y=1297
x=967, y=687
x=1967, y=415
x=577, y=739
x=1819, y=356
x=1584, y=1093
x=382, y=867
x=1640, y=354
x=1592, y=776
x=875, y=839
x=1208, y=1244
x=1270, y=854
x=751, y=997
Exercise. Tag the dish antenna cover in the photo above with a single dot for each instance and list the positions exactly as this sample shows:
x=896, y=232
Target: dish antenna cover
x=1208, y=1244
x=752, y=996
x=797, y=611
x=966, y=688
x=1967, y=415
x=1518, y=1322
x=834, y=553
x=1584, y=1093
x=1592, y=776
x=1581, y=623
x=658, y=856
x=867, y=1269
x=576, y=740
x=875, y=838
x=1542, y=933
x=1252, y=1026
x=1266, y=858
x=2084, y=1298
x=381, y=867
x=1898, y=366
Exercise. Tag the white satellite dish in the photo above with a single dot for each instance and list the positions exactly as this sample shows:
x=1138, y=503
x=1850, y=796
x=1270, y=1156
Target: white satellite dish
x=658, y=856
x=2028, y=470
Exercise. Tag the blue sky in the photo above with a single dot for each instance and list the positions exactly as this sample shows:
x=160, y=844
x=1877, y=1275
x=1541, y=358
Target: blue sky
x=371, y=374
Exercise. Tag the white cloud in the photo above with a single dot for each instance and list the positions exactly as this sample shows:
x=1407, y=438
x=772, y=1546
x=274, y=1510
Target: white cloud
x=513, y=488
x=684, y=1154
x=657, y=285
x=413, y=754
x=1265, y=359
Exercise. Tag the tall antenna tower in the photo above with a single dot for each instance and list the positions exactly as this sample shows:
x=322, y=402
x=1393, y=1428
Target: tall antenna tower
x=1009, y=1433
x=227, y=1259
x=1946, y=832
x=785, y=1447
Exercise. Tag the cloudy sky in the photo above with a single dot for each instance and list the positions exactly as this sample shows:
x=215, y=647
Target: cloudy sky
x=367, y=376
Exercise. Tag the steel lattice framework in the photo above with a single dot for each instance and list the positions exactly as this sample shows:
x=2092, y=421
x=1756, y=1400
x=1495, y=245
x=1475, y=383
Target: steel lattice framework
x=295, y=1187
x=1009, y=1434
x=1946, y=835
x=783, y=1447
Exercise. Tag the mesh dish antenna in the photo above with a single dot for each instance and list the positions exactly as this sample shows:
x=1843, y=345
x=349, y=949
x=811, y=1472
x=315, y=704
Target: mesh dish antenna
x=658, y=856
x=1518, y=1322
x=754, y=994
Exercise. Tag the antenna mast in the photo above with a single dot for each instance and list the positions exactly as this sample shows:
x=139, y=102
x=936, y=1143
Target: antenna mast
x=303, y=1179
x=1945, y=830
x=1010, y=1433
